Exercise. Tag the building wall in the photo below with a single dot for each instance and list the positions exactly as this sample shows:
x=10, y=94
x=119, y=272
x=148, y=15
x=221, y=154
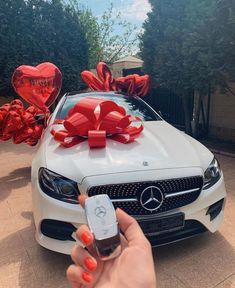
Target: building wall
x=118, y=67
x=222, y=116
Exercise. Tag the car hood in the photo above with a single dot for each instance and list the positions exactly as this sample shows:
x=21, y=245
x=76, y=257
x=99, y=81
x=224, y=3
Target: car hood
x=160, y=146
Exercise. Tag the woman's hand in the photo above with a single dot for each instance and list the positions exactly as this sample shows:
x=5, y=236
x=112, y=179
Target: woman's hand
x=133, y=268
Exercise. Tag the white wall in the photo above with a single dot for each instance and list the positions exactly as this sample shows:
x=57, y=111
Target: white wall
x=222, y=116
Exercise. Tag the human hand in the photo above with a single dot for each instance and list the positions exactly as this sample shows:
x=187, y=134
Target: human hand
x=133, y=268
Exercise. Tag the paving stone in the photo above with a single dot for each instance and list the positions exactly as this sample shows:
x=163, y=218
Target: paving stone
x=227, y=283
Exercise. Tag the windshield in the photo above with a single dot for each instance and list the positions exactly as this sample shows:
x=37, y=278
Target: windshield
x=133, y=105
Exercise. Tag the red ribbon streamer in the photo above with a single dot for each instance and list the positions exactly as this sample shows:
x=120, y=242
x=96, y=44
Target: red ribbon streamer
x=95, y=119
x=19, y=123
x=131, y=84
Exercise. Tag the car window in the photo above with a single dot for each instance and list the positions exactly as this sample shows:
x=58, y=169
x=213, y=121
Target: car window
x=133, y=105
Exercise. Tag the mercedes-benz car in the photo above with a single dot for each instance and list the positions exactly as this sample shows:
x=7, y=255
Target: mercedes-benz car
x=168, y=181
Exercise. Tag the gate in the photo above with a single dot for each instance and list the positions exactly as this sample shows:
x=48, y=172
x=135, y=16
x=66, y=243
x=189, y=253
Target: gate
x=166, y=102
x=169, y=105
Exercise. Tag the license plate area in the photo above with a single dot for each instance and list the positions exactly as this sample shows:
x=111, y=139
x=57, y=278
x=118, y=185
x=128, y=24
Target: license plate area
x=163, y=224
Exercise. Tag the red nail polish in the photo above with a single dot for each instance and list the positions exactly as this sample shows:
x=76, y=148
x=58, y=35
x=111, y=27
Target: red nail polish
x=90, y=263
x=87, y=277
x=86, y=237
x=79, y=198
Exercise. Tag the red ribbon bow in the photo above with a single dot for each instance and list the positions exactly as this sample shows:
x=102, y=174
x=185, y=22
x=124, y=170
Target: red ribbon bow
x=19, y=124
x=131, y=84
x=95, y=119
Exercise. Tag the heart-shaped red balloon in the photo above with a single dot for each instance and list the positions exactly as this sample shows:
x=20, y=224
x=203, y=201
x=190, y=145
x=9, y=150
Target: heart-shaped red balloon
x=40, y=85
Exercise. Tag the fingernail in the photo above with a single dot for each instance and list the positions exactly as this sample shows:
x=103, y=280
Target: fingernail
x=86, y=276
x=90, y=263
x=86, y=237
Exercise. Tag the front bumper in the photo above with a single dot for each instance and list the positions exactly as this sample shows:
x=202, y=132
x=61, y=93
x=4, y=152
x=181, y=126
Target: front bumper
x=196, y=218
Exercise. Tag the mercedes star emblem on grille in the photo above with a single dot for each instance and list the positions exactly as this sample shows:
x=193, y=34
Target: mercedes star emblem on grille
x=151, y=198
x=100, y=211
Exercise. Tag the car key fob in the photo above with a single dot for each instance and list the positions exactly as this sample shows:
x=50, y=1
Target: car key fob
x=102, y=221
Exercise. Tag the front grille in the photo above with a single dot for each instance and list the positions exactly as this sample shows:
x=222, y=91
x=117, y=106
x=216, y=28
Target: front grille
x=127, y=195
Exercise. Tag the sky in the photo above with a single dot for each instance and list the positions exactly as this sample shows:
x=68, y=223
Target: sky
x=134, y=11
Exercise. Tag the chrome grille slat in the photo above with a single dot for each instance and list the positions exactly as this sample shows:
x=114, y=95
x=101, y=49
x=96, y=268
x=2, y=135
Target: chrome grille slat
x=181, y=193
x=178, y=192
x=125, y=200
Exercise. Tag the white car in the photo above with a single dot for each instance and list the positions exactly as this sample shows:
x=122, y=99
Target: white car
x=167, y=180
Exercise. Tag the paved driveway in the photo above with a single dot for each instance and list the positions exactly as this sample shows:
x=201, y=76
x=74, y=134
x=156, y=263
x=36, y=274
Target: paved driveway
x=205, y=261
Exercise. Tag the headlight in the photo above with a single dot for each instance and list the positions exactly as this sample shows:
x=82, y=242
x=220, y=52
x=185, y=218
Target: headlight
x=57, y=186
x=212, y=174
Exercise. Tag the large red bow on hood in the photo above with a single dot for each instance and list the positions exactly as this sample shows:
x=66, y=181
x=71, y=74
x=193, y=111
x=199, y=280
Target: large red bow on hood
x=131, y=84
x=19, y=123
x=95, y=119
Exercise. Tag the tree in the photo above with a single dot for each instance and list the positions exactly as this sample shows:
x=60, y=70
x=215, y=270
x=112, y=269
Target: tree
x=225, y=33
x=10, y=27
x=109, y=37
x=114, y=45
x=36, y=31
x=188, y=46
x=91, y=27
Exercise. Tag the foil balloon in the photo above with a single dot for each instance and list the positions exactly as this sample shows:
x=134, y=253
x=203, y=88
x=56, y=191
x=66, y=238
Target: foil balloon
x=106, y=77
x=20, y=124
x=39, y=86
x=104, y=81
x=134, y=84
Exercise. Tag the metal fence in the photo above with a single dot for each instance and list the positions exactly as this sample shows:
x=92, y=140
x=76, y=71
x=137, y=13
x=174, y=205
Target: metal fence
x=169, y=105
x=166, y=102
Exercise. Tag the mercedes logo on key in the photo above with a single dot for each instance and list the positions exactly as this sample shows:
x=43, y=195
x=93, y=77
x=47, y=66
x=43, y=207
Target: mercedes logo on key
x=151, y=198
x=100, y=211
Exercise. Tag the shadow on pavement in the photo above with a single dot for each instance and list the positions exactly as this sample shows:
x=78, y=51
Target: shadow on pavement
x=9, y=147
x=201, y=261
x=36, y=266
x=16, y=179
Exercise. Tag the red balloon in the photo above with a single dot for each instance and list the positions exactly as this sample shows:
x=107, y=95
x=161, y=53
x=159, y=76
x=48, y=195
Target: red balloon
x=104, y=81
x=134, y=84
x=20, y=124
x=92, y=81
x=39, y=86
x=106, y=76
x=131, y=84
